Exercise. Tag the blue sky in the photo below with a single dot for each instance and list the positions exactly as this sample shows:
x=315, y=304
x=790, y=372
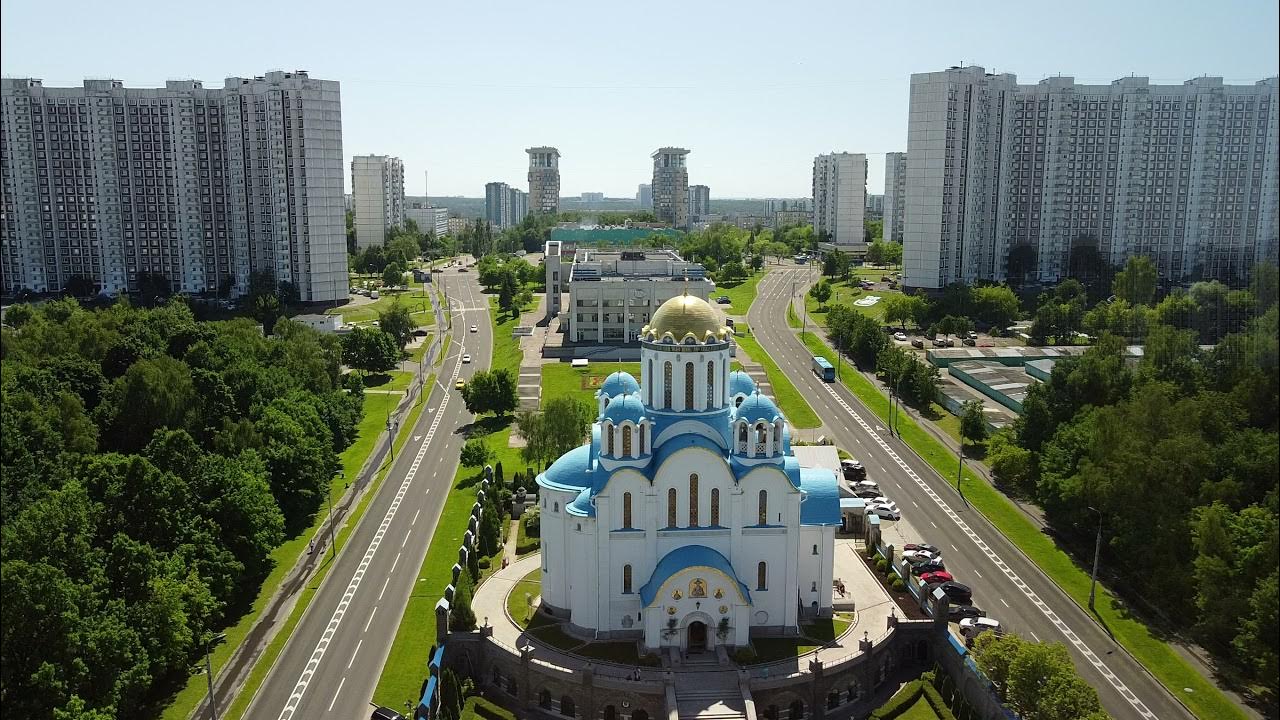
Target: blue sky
x=754, y=89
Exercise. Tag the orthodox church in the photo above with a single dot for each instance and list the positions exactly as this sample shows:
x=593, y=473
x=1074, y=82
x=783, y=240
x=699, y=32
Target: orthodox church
x=686, y=521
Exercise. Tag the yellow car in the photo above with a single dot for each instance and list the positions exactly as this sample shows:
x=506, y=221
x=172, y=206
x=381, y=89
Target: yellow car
x=460, y=384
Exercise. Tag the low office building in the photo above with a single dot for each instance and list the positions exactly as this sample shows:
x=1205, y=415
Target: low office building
x=434, y=220
x=612, y=293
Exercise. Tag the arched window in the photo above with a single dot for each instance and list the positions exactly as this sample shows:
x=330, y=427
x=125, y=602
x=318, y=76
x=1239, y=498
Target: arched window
x=626, y=511
x=555, y=507
x=763, y=519
x=610, y=712
x=688, y=386
x=777, y=437
x=671, y=508
x=626, y=579
x=711, y=384
x=795, y=712
x=762, y=432
x=641, y=438
x=544, y=699
x=762, y=576
x=715, y=507
x=566, y=706
x=815, y=548
x=693, y=500
x=626, y=440
x=651, y=381
x=608, y=432
x=666, y=385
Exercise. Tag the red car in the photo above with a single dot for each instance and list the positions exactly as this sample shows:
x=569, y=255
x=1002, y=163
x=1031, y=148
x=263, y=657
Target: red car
x=936, y=576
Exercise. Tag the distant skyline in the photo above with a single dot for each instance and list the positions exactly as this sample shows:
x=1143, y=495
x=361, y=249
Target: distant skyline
x=753, y=90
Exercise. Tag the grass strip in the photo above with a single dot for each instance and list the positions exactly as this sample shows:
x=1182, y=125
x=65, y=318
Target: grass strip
x=1205, y=700
x=792, y=403
x=264, y=663
x=741, y=295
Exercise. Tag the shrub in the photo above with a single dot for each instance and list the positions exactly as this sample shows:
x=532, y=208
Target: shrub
x=744, y=656
x=882, y=565
x=532, y=521
x=898, y=585
x=484, y=563
x=487, y=710
x=650, y=660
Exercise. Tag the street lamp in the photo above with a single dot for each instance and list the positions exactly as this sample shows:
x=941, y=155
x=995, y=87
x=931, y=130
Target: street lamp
x=1097, y=553
x=333, y=543
x=960, y=474
x=208, y=669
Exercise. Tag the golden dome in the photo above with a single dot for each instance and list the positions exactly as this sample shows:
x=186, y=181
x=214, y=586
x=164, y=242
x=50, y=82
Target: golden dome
x=685, y=315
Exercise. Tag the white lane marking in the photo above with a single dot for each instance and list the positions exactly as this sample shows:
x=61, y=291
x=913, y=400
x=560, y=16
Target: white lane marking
x=913, y=502
x=407, y=533
x=1005, y=603
x=369, y=622
x=394, y=563
x=953, y=547
x=415, y=517
x=384, y=588
x=336, y=693
x=309, y=671
x=934, y=524
x=1034, y=635
x=1031, y=595
x=353, y=655
x=975, y=572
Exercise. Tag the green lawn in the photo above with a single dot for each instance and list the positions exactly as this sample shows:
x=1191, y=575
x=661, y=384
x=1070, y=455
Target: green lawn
x=367, y=312
x=1204, y=698
x=373, y=422
x=506, y=349
x=392, y=380
x=406, y=664
x=742, y=294
x=531, y=585
x=417, y=353
x=478, y=708
x=844, y=293
x=789, y=400
x=563, y=379
x=772, y=649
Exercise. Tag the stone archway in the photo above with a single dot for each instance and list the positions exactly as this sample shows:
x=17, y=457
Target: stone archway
x=696, y=640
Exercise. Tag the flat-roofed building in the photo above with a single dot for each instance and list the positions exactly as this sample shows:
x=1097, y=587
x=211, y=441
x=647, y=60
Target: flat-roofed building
x=612, y=293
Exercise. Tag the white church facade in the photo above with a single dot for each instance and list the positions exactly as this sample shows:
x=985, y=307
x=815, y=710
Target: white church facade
x=686, y=520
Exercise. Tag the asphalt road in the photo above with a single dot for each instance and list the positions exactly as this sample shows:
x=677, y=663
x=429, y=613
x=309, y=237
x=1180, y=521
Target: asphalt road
x=1005, y=583
x=331, y=663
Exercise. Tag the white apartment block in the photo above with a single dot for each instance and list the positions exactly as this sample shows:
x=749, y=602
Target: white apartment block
x=434, y=220
x=644, y=196
x=377, y=190
x=671, y=186
x=699, y=202
x=497, y=205
x=544, y=180
x=840, y=201
x=895, y=194
x=1185, y=174
x=200, y=185
x=519, y=204
x=612, y=293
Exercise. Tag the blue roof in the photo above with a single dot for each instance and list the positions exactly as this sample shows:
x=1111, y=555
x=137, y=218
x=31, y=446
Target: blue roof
x=617, y=384
x=821, y=504
x=581, y=505
x=682, y=441
x=624, y=407
x=686, y=557
x=571, y=472
x=757, y=407
x=740, y=383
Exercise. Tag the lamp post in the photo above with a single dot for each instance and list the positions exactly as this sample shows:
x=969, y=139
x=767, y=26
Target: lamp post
x=1097, y=553
x=208, y=670
x=960, y=475
x=333, y=543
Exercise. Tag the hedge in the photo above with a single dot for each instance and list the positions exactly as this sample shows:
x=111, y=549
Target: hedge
x=907, y=697
x=479, y=707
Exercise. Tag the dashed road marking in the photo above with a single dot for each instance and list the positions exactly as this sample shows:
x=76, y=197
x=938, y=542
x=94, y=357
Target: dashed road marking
x=336, y=693
x=353, y=655
x=369, y=622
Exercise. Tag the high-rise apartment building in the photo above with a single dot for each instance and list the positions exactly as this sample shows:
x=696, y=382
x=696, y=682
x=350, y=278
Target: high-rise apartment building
x=1009, y=180
x=895, y=194
x=377, y=197
x=544, y=179
x=430, y=219
x=589, y=197
x=699, y=202
x=840, y=201
x=519, y=205
x=671, y=186
x=497, y=205
x=875, y=207
x=644, y=196
x=199, y=185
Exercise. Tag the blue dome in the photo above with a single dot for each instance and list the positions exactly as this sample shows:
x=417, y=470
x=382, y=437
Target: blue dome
x=757, y=407
x=624, y=407
x=581, y=505
x=571, y=471
x=617, y=384
x=740, y=383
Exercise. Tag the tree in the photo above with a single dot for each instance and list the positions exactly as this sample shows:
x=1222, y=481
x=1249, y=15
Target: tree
x=821, y=292
x=893, y=253
x=952, y=325
x=506, y=290
x=491, y=391
x=370, y=349
x=757, y=262
x=80, y=286
x=393, y=275
x=995, y=305
x=567, y=420
x=1021, y=263
x=451, y=700
x=973, y=422
x=1136, y=283
x=475, y=453
x=732, y=271
x=397, y=322
x=875, y=253
x=461, y=617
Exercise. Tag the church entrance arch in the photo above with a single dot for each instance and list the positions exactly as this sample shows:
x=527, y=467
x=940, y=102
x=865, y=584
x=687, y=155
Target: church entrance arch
x=697, y=636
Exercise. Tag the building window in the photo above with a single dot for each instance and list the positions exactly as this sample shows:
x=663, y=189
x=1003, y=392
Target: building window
x=711, y=384
x=762, y=576
x=693, y=500
x=652, y=381
x=666, y=385
x=688, y=386
x=671, y=508
x=715, y=507
x=626, y=511
x=815, y=549
x=764, y=508
x=641, y=438
x=608, y=431
x=626, y=440
x=626, y=579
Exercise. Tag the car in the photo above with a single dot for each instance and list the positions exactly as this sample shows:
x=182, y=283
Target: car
x=928, y=566
x=884, y=278
x=917, y=343
x=460, y=384
x=888, y=512
x=462, y=269
x=958, y=612
x=866, y=493
x=466, y=359
x=723, y=300
x=972, y=627
x=867, y=485
x=922, y=546
x=937, y=576
x=969, y=342
x=385, y=713
x=972, y=335
x=954, y=590
x=475, y=328
x=900, y=336
x=437, y=270
x=852, y=469
x=915, y=556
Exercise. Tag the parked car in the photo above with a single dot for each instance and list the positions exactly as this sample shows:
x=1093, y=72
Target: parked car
x=462, y=269
x=973, y=335
x=900, y=336
x=954, y=590
x=929, y=566
x=460, y=384
x=867, y=485
x=915, y=556
x=922, y=546
x=475, y=328
x=937, y=576
x=969, y=342
x=886, y=510
x=940, y=341
x=972, y=627
x=885, y=278
x=866, y=493
x=728, y=321
x=723, y=300
x=384, y=713
x=917, y=343
x=466, y=359
x=852, y=469
x=957, y=613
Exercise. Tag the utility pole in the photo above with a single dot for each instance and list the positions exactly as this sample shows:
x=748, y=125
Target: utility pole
x=333, y=543
x=960, y=474
x=208, y=671
x=1097, y=554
